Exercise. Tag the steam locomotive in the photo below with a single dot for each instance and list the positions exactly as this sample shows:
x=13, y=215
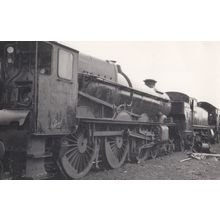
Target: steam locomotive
x=197, y=122
x=63, y=112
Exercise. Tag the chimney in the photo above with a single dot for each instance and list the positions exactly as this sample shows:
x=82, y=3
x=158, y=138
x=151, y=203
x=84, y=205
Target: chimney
x=150, y=83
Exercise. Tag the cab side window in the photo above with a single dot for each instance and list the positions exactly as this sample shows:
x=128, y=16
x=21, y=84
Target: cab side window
x=65, y=65
x=44, y=58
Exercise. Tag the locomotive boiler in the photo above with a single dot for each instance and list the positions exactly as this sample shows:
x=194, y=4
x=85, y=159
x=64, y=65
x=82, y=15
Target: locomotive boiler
x=110, y=84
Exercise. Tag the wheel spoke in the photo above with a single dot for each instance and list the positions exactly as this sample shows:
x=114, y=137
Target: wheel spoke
x=71, y=145
x=113, y=148
x=117, y=153
x=71, y=140
x=90, y=148
x=82, y=162
x=88, y=155
x=121, y=151
x=112, y=142
x=73, y=157
x=70, y=151
x=74, y=136
x=78, y=164
x=85, y=161
x=74, y=162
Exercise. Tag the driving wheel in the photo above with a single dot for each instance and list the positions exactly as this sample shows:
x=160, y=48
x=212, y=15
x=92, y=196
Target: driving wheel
x=77, y=155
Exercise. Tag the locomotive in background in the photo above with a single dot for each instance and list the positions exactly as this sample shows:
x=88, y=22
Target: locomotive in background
x=197, y=122
x=65, y=112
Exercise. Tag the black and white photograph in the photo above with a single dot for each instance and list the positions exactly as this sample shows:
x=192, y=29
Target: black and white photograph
x=109, y=109
x=68, y=115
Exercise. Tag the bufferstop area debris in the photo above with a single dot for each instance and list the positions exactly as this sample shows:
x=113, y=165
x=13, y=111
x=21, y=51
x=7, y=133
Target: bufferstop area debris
x=166, y=168
x=185, y=159
x=202, y=156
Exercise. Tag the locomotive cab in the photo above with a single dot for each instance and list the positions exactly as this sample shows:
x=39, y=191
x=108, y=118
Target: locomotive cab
x=20, y=63
x=17, y=65
x=38, y=95
x=27, y=71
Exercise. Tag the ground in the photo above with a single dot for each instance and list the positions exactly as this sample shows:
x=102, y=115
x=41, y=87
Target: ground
x=164, y=168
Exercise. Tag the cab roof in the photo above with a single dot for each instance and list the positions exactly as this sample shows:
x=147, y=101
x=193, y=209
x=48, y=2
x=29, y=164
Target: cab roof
x=178, y=97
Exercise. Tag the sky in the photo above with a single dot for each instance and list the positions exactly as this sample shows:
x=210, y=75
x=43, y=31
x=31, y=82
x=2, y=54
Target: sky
x=189, y=67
